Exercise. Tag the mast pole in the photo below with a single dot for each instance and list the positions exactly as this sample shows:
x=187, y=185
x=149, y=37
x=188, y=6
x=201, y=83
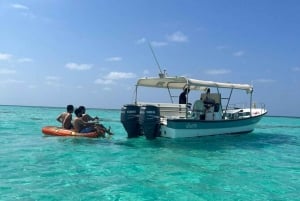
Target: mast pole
x=155, y=58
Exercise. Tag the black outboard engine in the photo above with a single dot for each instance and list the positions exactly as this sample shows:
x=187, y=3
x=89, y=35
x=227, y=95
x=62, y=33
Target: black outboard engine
x=130, y=120
x=150, y=121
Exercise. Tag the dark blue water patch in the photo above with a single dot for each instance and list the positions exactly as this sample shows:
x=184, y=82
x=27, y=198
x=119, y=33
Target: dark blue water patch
x=264, y=126
x=270, y=139
x=36, y=119
x=8, y=112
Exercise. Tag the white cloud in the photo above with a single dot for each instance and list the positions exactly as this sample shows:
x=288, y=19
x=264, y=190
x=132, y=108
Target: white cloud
x=24, y=10
x=32, y=86
x=23, y=60
x=296, y=69
x=4, y=56
x=146, y=72
x=19, y=6
x=238, y=53
x=7, y=71
x=110, y=77
x=177, y=37
x=217, y=71
x=75, y=66
x=53, y=81
x=107, y=89
x=158, y=44
x=114, y=59
x=221, y=47
x=141, y=41
x=119, y=75
x=103, y=81
x=11, y=81
x=52, y=78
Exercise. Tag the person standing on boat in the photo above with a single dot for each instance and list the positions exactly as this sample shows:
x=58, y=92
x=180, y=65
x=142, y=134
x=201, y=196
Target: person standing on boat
x=208, y=99
x=209, y=102
x=65, y=118
x=183, y=96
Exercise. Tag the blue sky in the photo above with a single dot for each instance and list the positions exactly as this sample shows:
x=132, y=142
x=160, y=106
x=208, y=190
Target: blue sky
x=54, y=53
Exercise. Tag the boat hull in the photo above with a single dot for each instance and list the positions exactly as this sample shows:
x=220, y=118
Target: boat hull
x=58, y=131
x=182, y=128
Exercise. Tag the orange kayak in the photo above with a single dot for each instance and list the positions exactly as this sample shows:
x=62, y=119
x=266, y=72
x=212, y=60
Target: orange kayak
x=58, y=131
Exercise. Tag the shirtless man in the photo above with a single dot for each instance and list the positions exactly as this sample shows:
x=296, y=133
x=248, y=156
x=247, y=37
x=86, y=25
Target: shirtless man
x=88, y=118
x=65, y=118
x=81, y=126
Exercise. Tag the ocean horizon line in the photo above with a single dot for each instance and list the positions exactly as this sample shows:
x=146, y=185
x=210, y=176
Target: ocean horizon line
x=62, y=107
x=56, y=107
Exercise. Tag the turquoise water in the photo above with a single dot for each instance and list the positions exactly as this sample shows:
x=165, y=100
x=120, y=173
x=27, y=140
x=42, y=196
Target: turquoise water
x=262, y=165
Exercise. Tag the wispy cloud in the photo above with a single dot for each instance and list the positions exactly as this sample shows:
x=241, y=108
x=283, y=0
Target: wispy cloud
x=178, y=36
x=103, y=81
x=23, y=60
x=221, y=47
x=11, y=81
x=158, y=44
x=80, y=67
x=114, y=59
x=24, y=10
x=32, y=86
x=153, y=43
x=53, y=81
x=238, y=53
x=110, y=77
x=141, y=41
x=5, y=71
x=296, y=69
x=119, y=75
x=217, y=71
x=19, y=6
x=5, y=56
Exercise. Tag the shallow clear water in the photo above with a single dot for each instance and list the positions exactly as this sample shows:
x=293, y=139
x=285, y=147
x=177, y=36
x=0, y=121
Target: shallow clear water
x=262, y=165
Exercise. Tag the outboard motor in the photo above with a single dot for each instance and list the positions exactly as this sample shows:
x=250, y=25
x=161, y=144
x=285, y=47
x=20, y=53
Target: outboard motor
x=150, y=121
x=130, y=120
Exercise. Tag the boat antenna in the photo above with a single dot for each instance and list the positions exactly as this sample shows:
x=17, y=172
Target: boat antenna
x=155, y=58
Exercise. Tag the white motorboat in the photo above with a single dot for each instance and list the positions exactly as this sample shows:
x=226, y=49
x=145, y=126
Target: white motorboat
x=210, y=114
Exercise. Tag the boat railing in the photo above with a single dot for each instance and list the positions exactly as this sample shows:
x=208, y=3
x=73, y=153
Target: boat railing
x=240, y=111
x=258, y=108
x=170, y=110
